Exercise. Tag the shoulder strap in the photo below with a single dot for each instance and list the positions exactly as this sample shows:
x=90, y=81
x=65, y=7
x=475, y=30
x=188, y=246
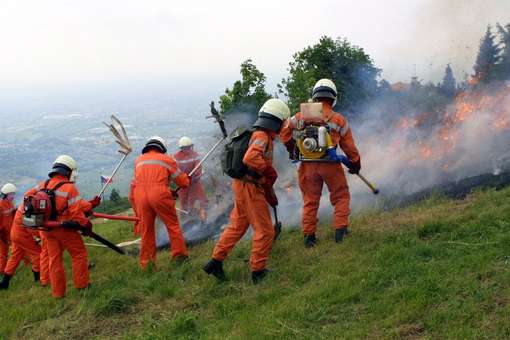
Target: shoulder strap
x=60, y=184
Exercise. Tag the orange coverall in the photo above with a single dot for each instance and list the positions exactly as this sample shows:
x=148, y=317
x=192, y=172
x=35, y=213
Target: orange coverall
x=7, y=211
x=23, y=245
x=151, y=196
x=250, y=206
x=313, y=175
x=187, y=159
x=70, y=207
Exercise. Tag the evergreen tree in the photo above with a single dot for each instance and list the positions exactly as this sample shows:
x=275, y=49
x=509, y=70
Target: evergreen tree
x=449, y=86
x=115, y=196
x=488, y=57
x=504, y=65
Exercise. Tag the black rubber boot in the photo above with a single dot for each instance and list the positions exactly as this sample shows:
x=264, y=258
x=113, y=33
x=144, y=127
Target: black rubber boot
x=37, y=276
x=215, y=267
x=310, y=240
x=340, y=233
x=259, y=275
x=4, y=284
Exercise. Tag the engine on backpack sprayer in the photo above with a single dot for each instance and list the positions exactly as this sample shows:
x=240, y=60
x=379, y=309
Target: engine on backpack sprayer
x=40, y=207
x=313, y=138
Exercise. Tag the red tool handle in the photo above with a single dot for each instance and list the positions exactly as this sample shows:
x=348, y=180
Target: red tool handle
x=116, y=217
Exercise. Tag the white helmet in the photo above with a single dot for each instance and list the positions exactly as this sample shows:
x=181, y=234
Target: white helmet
x=155, y=142
x=8, y=188
x=325, y=88
x=65, y=165
x=185, y=141
x=272, y=114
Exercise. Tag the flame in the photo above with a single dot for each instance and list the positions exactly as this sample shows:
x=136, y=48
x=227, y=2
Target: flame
x=443, y=142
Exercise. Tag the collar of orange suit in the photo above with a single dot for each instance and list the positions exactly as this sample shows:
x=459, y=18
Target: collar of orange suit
x=270, y=133
x=60, y=178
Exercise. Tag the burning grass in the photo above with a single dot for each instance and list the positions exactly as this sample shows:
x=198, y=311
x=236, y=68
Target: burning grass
x=436, y=269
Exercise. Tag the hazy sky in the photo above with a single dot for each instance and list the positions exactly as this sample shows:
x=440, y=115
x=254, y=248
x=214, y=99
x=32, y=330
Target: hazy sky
x=67, y=44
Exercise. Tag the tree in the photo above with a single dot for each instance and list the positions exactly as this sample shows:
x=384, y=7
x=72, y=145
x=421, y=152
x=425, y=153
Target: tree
x=247, y=94
x=449, y=85
x=115, y=196
x=504, y=65
x=348, y=66
x=488, y=57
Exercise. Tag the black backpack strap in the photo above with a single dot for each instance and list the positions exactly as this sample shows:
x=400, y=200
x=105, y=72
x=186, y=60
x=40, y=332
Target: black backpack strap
x=60, y=184
x=51, y=192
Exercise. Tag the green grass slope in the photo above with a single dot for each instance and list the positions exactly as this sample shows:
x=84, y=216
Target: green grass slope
x=439, y=269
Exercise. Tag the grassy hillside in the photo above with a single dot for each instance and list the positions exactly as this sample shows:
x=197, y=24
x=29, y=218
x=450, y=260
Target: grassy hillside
x=438, y=269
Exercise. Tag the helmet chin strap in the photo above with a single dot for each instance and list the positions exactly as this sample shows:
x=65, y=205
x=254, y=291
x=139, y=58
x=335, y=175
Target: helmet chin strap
x=73, y=176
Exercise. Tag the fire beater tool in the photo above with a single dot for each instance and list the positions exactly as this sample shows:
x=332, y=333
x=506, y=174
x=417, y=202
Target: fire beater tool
x=51, y=224
x=121, y=138
x=345, y=161
x=219, y=119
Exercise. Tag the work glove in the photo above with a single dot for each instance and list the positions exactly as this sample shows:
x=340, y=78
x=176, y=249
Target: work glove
x=355, y=167
x=292, y=150
x=71, y=225
x=270, y=195
x=270, y=174
x=86, y=229
x=95, y=202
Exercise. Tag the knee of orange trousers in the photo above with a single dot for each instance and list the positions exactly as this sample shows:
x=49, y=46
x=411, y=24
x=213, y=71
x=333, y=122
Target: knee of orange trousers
x=79, y=260
x=17, y=255
x=168, y=216
x=45, y=266
x=177, y=242
x=262, y=243
x=309, y=214
x=4, y=253
x=340, y=199
x=230, y=236
x=147, y=246
x=80, y=268
x=57, y=273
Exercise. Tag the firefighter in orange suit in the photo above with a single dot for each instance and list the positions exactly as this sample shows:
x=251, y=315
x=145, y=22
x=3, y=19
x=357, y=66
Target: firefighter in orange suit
x=151, y=195
x=252, y=194
x=7, y=210
x=313, y=174
x=187, y=159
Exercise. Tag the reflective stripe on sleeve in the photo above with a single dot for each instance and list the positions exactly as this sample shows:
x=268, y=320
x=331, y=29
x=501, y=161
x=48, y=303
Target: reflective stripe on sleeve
x=154, y=162
x=61, y=193
x=73, y=200
x=185, y=161
x=345, y=129
x=258, y=142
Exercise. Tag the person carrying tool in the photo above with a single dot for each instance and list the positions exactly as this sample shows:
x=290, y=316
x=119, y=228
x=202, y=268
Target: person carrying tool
x=150, y=193
x=187, y=159
x=312, y=137
x=253, y=178
x=7, y=210
x=64, y=207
